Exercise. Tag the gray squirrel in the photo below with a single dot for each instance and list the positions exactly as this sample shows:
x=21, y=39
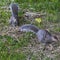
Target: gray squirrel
x=43, y=35
x=14, y=21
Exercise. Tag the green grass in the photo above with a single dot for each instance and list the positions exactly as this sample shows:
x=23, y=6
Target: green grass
x=24, y=46
x=12, y=56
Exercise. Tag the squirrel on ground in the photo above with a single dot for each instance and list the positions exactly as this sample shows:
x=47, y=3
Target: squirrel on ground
x=43, y=36
x=14, y=21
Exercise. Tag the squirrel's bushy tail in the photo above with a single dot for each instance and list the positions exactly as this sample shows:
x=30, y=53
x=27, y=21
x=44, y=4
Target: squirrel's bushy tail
x=14, y=11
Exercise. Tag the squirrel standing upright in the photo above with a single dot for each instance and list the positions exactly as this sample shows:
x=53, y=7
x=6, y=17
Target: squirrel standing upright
x=14, y=21
x=43, y=35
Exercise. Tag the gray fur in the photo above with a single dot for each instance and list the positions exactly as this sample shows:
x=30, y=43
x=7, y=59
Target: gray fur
x=14, y=21
x=28, y=27
x=14, y=9
x=43, y=35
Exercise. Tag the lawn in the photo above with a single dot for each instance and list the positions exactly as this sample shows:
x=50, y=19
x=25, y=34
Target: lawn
x=15, y=45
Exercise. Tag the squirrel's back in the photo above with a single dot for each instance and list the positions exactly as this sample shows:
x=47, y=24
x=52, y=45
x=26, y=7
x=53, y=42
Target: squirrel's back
x=28, y=27
x=46, y=37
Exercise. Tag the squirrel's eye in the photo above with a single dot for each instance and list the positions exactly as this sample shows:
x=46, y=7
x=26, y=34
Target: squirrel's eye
x=55, y=37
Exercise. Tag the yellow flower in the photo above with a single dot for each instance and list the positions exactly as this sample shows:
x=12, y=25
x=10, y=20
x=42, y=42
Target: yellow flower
x=38, y=20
